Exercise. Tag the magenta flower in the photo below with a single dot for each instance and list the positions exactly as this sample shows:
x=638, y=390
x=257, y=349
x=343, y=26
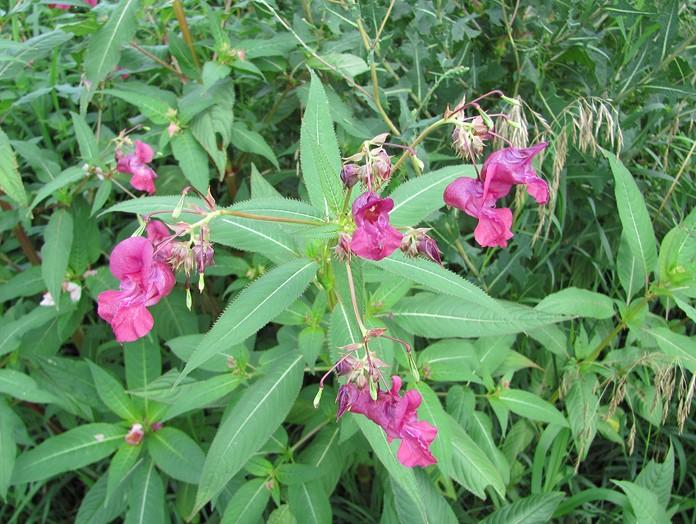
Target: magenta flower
x=509, y=166
x=477, y=197
x=398, y=418
x=135, y=435
x=374, y=238
x=161, y=239
x=143, y=282
x=136, y=164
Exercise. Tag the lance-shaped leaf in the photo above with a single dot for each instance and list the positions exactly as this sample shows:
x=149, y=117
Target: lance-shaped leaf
x=10, y=179
x=86, y=140
x=250, y=141
x=437, y=278
x=70, y=175
x=419, y=197
x=68, y=451
x=319, y=154
x=176, y=454
x=309, y=503
x=262, y=408
x=55, y=253
x=192, y=159
x=635, y=219
x=536, y=509
x=257, y=305
x=146, y=497
x=104, y=48
x=578, y=303
x=531, y=406
x=247, y=504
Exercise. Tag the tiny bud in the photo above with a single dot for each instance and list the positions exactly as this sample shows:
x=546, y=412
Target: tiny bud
x=373, y=388
x=317, y=398
x=382, y=164
x=201, y=283
x=486, y=119
x=172, y=129
x=349, y=175
x=428, y=248
x=179, y=207
x=156, y=426
x=342, y=250
x=189, y=299
x=231, y=362
x=135, y=435
x=513, y=124
x=512, y=101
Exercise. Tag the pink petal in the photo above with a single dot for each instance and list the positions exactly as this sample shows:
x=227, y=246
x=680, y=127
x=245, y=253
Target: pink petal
x=493, y=229
x=131, y=323
x=143, y=152
x=131, y=256
x=415, y=443
x=108, y=303
x=143, y=179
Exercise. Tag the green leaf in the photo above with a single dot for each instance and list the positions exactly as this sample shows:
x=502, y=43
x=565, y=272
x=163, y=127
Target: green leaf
x=96, y=508
x=257, y=305
x=634, y=216
x=419, y=197
x=431, y=411
x=23, y=387
x=172, y=317
x=254, y=236
x=152, y=107
x=146, y=497
x=278, y=45
x=10, y=179
x=247, y=504
x=630, y=270
x=13, y=331
x=658, y=478
x=188, y=397
x=531, y=406
x=309, y=503
x=176, y=454
x=434, y=316
x=192, y=159
x=310, y=342
x=55, y=253
x=536, y=509
x=86, y=140
x=104, y=49
x=70, y=175
x=449, y=360
x=437, y=278
x=121, y=465
x=578, y=303
x=348, y=64
x=8, y=447
x=251, y=142
x=24, y=284
x=143, y=365
x=319, y=154
x=582, y=404
x=18, y=57
x=408, y=510
x=470, y=466
x=681, y=347
x=260, y=187
x=257, y=414
x=68, y=451
x=112, y=394
x=646, y=507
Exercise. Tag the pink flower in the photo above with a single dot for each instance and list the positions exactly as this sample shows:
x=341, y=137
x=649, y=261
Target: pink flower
x=135, y=435
x=143, y=282
x=135, y=164
x=374, y=238
x=161, y=238
x=509, y=166
x=477, y=197
x=398, y=418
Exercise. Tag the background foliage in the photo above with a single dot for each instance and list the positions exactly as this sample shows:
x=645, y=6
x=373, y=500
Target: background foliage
x=572, y=404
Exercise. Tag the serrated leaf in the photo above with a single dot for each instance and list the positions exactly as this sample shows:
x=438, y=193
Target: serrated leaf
x=449, y=360
x=192, y=159
x=434, y=316
x=187, y=397
x=310, y=342
x=70, y=175
x=257, y=305
x=176, y=454
x=417, y=198
x=536, y=509
x=260, y=410
x=247, y=504
x=104, y=49
x=578, y=303
x=531, y=406
x=582, y=404
x=646, y=507
x=319, y=155
x=437, y=278
x=634, y=215
x=153, y=108
x=407, y=509
x=68, y=451
x=250, y=141
x=658, y=478
x=10, y=179
x=260, y=187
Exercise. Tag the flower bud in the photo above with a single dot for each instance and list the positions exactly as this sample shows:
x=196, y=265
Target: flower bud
x=349, y=175
x=466, y=144
x=382, y=164
x=203, y=254
x=317, y=398
x=156, y=426
x=428, y=248
x=172, y=129
x=342, y=250
x=135, y=435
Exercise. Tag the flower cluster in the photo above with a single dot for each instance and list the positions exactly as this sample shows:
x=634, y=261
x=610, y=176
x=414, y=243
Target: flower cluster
x=396, y=415
x=144, y=280
x=136, y=165
x=478, y=197
x=376, y=167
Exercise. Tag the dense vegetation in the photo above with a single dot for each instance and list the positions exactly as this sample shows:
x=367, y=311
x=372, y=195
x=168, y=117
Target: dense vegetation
x=203, y=204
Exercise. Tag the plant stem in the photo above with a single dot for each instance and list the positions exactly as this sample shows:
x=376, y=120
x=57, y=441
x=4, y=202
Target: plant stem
x=185, y=32
x=353, y=299
x=251, y=216
x=432, y=127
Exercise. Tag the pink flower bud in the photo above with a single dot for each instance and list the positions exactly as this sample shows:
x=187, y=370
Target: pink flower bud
x=135, y=435
x=428, y=248
x=342, y=250
x=156, y=426
x=349, y=175
x=172, y=129
x=382, y=164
